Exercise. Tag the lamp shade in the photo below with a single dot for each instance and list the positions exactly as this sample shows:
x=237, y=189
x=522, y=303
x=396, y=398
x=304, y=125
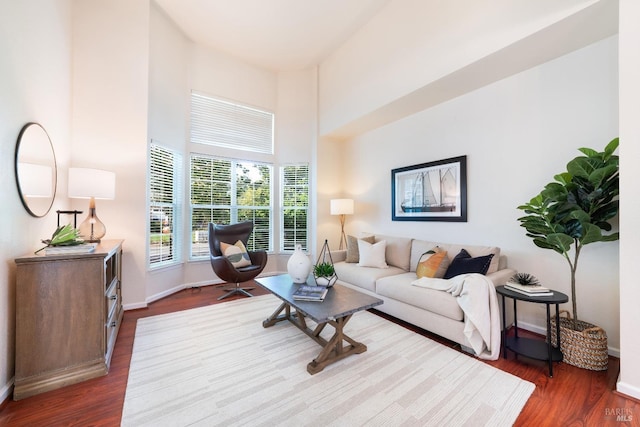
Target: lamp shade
x=87, y=183
x=342, y=207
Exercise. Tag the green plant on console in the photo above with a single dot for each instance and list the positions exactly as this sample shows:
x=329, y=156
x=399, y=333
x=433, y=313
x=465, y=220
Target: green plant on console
x=324, y=269
x=576, y=208
x=64, y=235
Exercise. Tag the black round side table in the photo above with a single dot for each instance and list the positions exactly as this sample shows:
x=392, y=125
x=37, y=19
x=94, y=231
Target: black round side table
x=531, y=347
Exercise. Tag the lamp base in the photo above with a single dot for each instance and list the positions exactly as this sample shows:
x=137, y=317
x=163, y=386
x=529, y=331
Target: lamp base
x=92, y=229
x=343, y=237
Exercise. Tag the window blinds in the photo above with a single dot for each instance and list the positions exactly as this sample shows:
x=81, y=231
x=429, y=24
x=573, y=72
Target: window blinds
x=226, y=124
x=165, y=171
x=295, y=206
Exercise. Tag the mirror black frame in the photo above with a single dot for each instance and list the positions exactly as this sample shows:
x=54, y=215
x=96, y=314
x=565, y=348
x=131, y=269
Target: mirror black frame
x=20, y=142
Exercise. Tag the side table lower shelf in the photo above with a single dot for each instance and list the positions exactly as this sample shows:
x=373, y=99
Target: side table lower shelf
x=530, y=347
x=533, y=348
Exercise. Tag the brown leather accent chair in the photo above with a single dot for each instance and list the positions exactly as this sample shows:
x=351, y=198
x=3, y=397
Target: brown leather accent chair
x=223, y=268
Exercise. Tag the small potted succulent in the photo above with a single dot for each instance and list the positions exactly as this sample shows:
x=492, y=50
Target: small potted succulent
x=324, y=274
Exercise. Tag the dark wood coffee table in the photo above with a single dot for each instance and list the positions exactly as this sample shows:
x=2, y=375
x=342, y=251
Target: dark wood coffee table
x=337, y=308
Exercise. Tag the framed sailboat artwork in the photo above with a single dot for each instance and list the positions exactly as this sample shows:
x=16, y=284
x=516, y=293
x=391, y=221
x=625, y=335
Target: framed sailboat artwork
x=434, y=191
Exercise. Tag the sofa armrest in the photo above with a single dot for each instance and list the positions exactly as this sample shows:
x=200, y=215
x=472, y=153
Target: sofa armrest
x=500, y=277
x=339, y=255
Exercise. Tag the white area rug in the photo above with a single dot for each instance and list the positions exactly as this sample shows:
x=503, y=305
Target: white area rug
x=217, y=365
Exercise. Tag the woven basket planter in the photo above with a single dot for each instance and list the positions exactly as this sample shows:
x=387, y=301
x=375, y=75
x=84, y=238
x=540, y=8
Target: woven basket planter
x=582, y=344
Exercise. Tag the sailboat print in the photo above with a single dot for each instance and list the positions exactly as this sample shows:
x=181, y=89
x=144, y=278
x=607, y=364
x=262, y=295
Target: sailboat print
x=432, y=191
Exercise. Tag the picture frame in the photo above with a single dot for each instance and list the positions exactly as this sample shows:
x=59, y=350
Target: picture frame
x=433, y=191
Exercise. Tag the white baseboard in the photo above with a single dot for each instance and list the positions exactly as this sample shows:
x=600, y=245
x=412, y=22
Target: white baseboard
x=163, y=294
x=615, y=352
x=628, y=389
x=6, y=391
x=134, y=306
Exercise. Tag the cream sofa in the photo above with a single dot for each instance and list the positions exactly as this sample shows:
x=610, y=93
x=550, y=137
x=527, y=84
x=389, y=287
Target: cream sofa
x=433, y=310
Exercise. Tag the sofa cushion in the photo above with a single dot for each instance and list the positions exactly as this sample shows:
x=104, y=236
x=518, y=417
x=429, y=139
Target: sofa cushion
x=353, y=255
x=418, y=247
x=372, y=255
x=465, y=263
x=399, y=288
x=433, y=263
x=398, y=251
x=363, y=277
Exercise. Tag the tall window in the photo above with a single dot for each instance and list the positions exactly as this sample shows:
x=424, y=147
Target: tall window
x=294, y=209
x=227, y=191
x=165, y=172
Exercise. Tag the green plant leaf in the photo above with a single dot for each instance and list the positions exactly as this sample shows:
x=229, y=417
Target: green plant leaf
x=563, y=178
x=554, y=191
x=582, y=166
x=544, y=244
x=561, y=241
x=580, y=215
x=602, y=174
x=591, y=234
x=611, y=237
x=611, y=147
x=589, y=152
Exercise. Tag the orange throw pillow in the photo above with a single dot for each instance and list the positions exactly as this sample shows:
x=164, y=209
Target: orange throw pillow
x=433, y=263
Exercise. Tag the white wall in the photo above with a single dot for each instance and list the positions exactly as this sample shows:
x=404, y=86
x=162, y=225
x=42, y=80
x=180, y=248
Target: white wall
x=169, y=59
x=517, y=134
x=109, y=120
x=295, y=135
x=629, y=381
x=35, y=61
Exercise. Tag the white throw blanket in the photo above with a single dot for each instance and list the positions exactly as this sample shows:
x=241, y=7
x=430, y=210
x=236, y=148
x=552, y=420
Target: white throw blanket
x=477, y=298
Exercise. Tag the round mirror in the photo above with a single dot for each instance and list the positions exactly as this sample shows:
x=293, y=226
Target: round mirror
x=36, y=172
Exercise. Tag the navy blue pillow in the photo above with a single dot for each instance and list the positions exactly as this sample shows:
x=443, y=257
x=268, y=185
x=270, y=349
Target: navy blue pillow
x=464, y=263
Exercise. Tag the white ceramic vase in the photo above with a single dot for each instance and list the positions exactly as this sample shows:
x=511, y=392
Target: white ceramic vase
x=299, y=266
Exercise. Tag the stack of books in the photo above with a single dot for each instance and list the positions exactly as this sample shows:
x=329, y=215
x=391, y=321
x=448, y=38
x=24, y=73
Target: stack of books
x=310, y=293
x=529, y=290
x=84, y=248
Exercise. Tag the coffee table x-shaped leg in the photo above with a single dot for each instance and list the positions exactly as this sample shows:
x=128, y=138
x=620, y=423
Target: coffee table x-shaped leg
x=332, y=349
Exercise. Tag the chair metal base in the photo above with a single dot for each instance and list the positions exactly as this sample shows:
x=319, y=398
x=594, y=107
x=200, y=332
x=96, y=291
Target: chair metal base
x=236, y=290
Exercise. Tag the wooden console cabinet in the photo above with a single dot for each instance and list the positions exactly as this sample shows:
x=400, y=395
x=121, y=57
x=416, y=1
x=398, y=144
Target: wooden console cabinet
x=68, y=313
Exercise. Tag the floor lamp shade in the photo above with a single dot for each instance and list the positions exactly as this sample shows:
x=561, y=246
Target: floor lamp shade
x=342, y=207
x=92, y=184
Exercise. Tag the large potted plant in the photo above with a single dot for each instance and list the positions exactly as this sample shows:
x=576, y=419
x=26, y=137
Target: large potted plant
x=569, y=213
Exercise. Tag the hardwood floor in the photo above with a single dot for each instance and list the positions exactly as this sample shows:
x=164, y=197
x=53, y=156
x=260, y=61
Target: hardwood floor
x=573, y=397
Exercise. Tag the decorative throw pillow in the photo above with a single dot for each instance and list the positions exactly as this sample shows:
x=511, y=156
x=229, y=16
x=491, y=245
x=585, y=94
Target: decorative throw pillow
x=464, y=263
x=236, y=254
x=372, y=255
x=433, y=263
x=353, y=255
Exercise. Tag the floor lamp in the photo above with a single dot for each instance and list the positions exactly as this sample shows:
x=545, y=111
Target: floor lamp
x=342, y=207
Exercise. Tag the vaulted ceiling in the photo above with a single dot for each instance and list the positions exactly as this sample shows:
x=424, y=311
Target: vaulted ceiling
x=281, y=35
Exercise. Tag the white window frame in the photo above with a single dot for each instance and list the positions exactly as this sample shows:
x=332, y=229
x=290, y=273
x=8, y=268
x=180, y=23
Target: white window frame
x=199, y=240
x=169, y=224
x=305, y=243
